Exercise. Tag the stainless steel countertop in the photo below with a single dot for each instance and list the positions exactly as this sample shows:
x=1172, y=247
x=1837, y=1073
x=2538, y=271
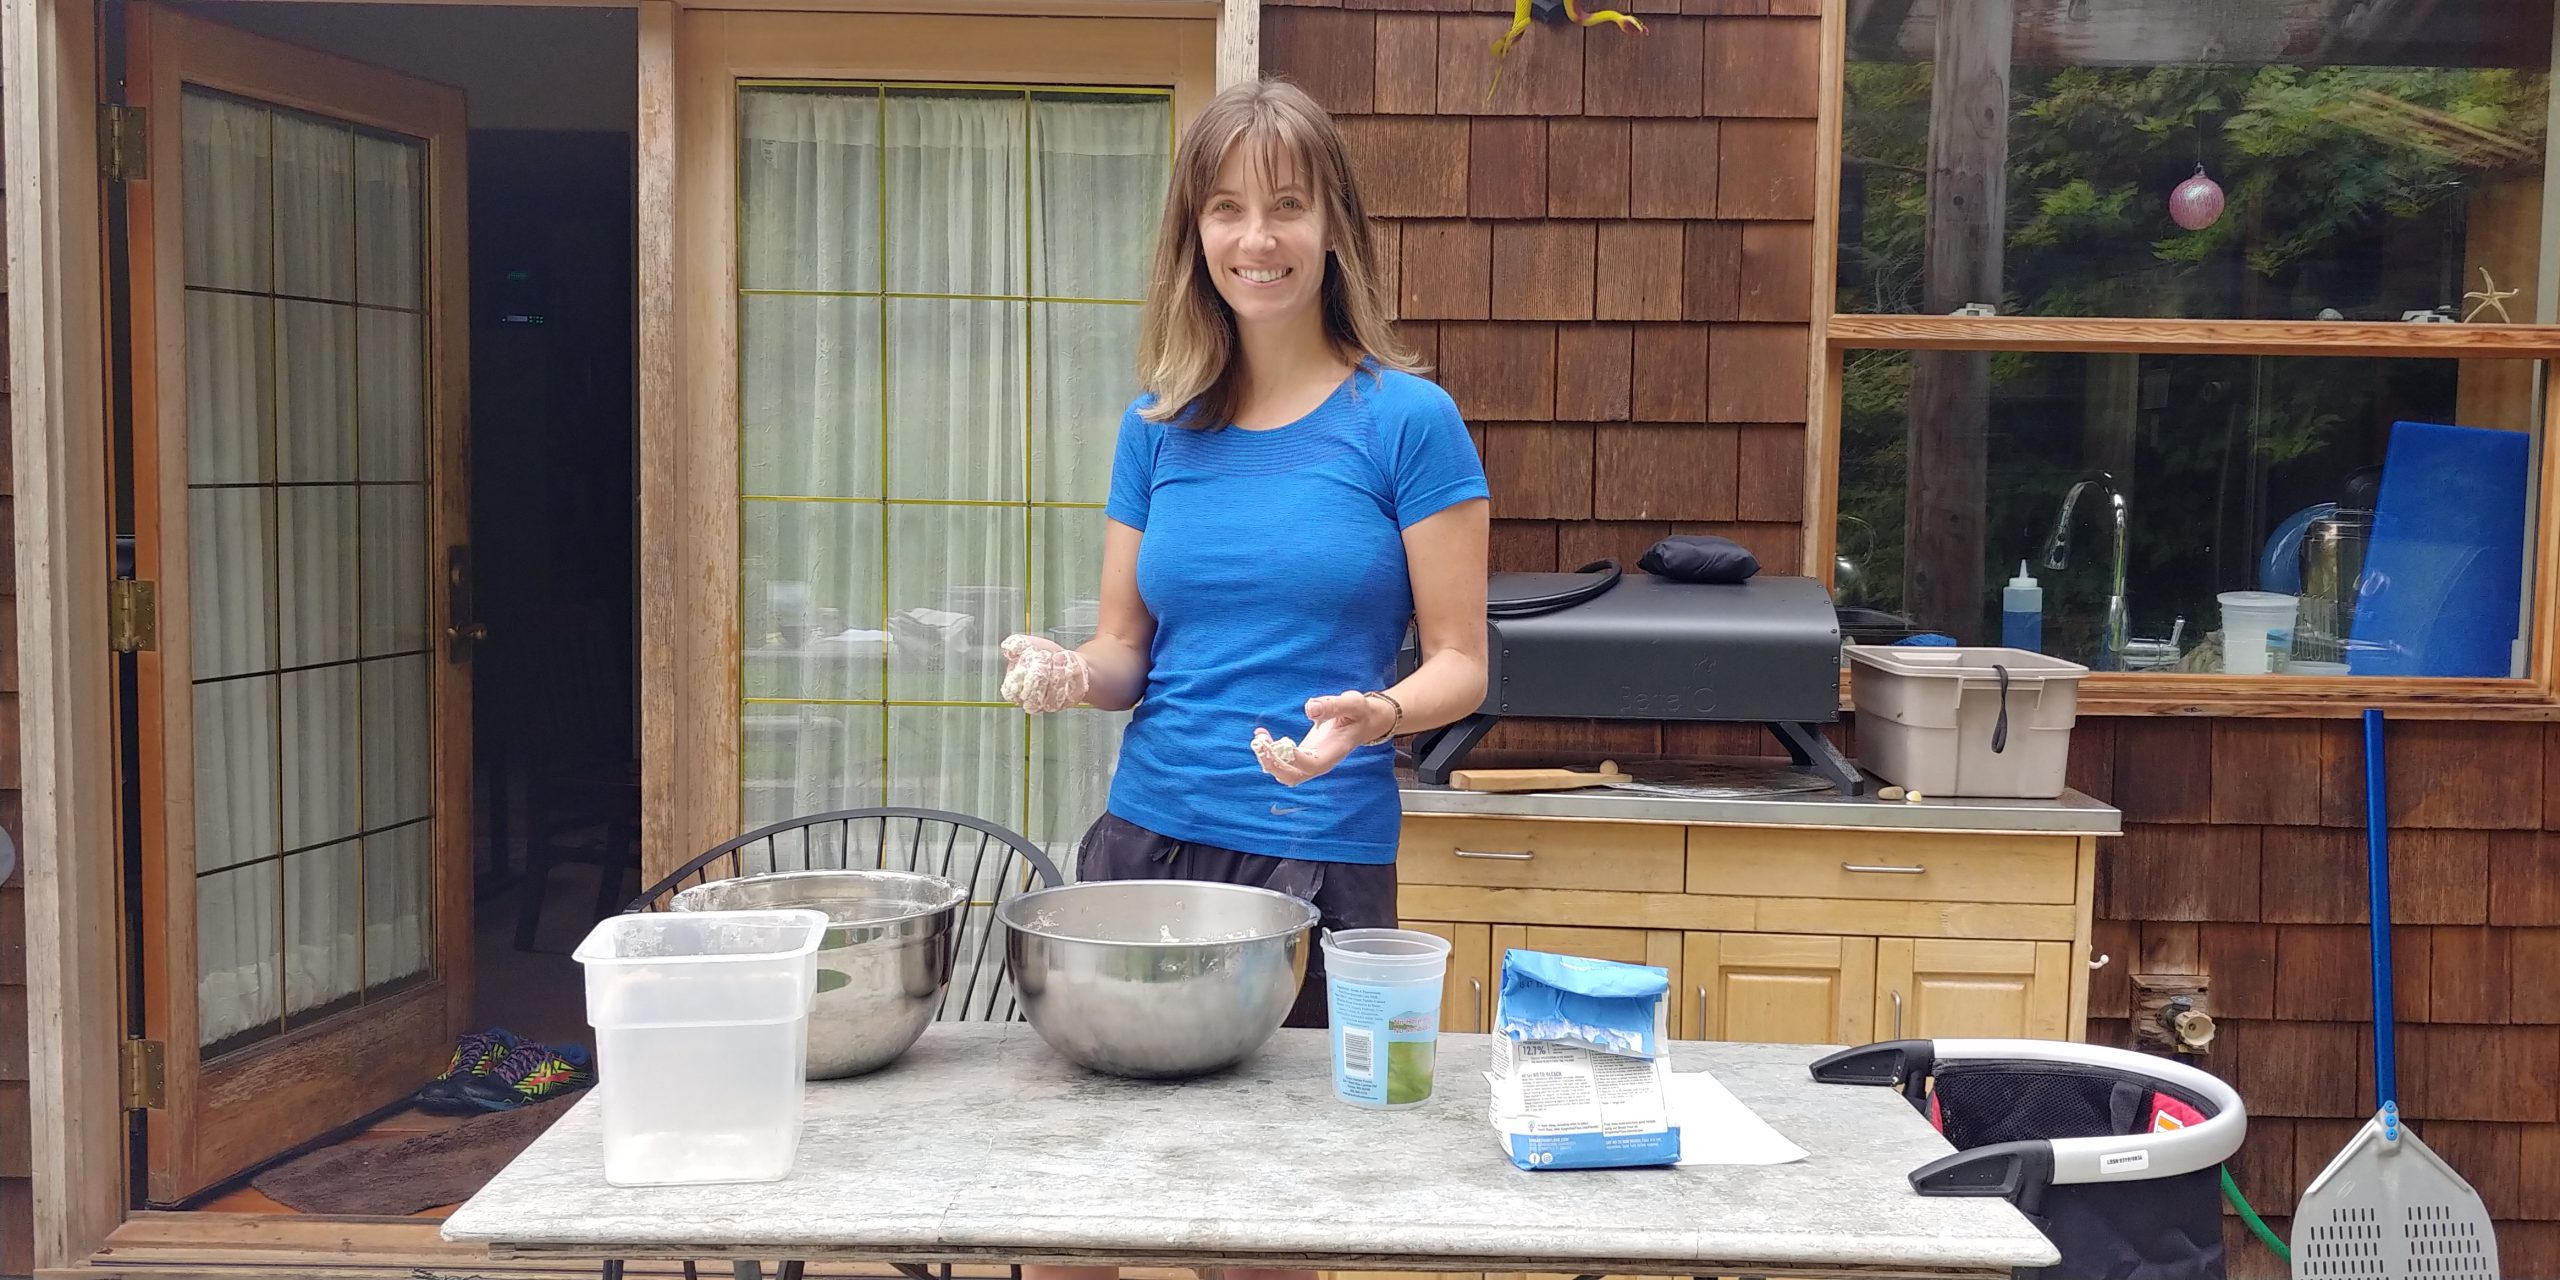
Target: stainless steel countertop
x=2071, y=814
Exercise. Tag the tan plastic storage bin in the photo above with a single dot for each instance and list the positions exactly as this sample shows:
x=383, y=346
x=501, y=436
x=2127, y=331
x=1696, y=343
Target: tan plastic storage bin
x=1927, y=719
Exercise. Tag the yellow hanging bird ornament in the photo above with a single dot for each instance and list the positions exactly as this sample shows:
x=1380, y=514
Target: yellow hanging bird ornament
x=1520, y=23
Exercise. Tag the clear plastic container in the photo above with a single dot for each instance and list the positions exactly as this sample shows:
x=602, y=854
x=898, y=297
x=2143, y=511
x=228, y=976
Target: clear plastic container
x=702, y=1026
x=2247, y=619
x=1382, y=991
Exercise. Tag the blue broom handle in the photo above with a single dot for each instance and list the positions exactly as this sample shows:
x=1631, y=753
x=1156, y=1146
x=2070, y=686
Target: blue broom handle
x=2377, y=849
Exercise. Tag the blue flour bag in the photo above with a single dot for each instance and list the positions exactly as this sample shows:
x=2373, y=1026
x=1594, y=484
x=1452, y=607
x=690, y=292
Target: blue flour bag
x=1581, y=1077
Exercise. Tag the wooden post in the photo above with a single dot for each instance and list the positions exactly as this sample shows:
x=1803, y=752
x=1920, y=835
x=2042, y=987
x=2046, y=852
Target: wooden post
x=1950, y=390
x=66, y=718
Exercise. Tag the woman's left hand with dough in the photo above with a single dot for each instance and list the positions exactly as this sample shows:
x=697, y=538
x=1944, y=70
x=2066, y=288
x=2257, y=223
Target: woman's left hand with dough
x=1341, y=722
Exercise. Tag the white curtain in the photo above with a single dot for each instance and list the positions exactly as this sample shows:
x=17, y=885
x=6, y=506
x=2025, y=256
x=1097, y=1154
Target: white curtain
x=307, y=517
x=937, y=339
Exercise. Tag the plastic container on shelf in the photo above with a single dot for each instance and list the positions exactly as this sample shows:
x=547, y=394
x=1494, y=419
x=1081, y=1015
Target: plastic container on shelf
x=2248, y=618
x=702, y=1026
x=1965, y=721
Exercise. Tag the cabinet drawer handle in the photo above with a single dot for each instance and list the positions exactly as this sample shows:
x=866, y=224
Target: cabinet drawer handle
x=1497, y=856
x=1883, y=871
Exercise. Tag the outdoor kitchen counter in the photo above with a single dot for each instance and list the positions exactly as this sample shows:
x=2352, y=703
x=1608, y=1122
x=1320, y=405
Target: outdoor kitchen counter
x=1784, y=913
x=982, y=1144
x=2071, y=814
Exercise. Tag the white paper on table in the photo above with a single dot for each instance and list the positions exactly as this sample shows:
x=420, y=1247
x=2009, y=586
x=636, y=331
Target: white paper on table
x=1715, y=1128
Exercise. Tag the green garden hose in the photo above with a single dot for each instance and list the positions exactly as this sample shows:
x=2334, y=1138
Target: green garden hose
x=2231, y=1192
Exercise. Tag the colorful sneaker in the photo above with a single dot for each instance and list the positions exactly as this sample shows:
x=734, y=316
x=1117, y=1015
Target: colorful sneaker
x=473, y=1054
x=529, y=1074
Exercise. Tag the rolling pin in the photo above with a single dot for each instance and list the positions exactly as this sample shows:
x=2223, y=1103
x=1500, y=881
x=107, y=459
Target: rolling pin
x=1534, y=779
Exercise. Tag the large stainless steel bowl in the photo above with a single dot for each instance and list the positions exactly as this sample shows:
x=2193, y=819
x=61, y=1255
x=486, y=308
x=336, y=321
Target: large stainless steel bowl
x=1156, y=979
x=882, y=967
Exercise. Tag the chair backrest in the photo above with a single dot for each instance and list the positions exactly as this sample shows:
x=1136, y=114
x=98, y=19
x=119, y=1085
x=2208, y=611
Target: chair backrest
x=990, y=861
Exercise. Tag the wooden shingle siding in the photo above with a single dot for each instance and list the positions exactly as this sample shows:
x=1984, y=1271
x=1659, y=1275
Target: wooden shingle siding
x=2476, y=910
x=1636, y=367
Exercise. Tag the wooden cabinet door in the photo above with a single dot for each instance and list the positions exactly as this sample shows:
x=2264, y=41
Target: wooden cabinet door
x=1777, y=988
x=1466, y=1002
x=1939, y=988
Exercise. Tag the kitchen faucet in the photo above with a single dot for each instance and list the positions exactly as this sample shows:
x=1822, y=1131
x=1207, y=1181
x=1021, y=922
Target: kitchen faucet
x=2057, y=554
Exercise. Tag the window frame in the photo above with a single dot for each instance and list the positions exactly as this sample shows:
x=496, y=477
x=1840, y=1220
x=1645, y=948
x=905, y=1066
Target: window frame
x=2534, y=696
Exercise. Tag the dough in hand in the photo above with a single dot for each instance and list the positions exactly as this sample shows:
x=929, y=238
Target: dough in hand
x=1041, y=678
x=1273, y=751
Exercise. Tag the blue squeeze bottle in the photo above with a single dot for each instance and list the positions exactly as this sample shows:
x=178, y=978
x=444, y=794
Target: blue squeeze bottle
x=2022, y=613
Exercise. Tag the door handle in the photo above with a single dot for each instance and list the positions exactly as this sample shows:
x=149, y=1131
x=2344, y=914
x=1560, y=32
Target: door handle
x=1478, y=984
x=1897, y=1016
x=1702, y=1016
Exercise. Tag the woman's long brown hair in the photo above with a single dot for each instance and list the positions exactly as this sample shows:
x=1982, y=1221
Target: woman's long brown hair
x=1187, y=335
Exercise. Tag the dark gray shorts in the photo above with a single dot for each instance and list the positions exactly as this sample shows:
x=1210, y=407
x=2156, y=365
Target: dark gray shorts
x=1348, y=895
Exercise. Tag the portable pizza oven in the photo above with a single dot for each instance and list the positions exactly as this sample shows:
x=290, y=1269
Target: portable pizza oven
x=1599, y=645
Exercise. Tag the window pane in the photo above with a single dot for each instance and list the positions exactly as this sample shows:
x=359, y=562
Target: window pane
x=399, y=903
x=809, y=395
x=805, y=759
x=2378, y=176
x=239, y=946
x=315, y=208
x=964, y=759
x=955, y=590
x=1098, y=170
x=809, y=165
x=323, y=918
x=1084, y=373
x=957, y=164
x=813, y=604
x=956, y=423
x=231, y=186
x=2386, y=501
x=318, y=541
x=389, y=258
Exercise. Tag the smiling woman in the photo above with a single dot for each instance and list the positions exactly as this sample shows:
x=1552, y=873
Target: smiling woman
x=1288, y=497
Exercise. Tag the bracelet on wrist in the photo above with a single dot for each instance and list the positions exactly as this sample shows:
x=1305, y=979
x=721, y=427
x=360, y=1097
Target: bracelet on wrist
x=1392, y=725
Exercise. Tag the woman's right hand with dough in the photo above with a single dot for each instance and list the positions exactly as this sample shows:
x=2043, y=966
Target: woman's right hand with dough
x=1041, y=677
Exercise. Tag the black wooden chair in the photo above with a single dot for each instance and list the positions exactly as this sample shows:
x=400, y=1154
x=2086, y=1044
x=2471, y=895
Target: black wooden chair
x=991, y=861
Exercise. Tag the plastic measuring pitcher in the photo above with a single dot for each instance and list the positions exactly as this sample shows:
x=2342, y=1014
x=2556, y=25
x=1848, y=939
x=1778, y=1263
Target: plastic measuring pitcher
x=1382, y=987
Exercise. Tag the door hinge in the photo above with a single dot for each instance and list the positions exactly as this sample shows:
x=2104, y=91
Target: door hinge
x=146, y=1075
x=133, y=615
x=124, y=147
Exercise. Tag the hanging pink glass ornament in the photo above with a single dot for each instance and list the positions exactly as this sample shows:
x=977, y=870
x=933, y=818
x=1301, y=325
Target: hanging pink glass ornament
x=2197, y=202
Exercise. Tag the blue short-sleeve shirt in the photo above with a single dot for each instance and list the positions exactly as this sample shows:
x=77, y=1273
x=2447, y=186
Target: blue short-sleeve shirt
x=1273, y=563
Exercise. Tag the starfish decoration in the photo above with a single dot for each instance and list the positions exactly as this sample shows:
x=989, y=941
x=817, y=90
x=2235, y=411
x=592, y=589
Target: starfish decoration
x=2491, y=298
x=1520, y=23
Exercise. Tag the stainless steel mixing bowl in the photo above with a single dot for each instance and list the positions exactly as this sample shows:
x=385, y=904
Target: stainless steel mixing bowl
x=1156, y=979
x=882, y=967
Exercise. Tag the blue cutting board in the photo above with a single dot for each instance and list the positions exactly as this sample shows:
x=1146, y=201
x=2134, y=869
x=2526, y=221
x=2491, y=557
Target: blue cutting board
x=2444, y=576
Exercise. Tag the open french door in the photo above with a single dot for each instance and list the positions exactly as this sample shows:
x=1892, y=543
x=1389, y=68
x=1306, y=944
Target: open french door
x=296, y=268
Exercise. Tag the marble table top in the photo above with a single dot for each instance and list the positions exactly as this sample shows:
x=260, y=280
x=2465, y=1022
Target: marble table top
x=983, y=1144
